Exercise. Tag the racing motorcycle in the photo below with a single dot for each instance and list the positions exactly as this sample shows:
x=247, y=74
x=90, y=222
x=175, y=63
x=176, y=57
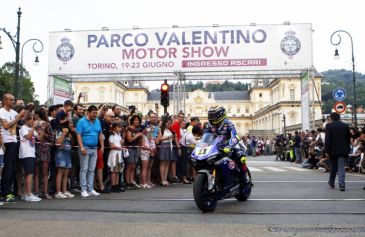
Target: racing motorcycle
x=218, y=176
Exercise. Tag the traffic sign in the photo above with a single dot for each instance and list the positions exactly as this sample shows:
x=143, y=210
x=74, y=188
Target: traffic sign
x=340, y=107
x=339, y=94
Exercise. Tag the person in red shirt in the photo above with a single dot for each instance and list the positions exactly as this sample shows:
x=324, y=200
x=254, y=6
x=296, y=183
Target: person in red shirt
x=175, y=129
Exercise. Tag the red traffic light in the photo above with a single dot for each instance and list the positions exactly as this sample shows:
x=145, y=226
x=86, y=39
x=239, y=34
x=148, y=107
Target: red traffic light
x=164, y=87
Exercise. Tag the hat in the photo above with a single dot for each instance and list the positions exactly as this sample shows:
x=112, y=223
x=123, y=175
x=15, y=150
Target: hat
x=110, y=113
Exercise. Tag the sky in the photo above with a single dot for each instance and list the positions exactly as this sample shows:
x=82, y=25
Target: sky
x=40, y=17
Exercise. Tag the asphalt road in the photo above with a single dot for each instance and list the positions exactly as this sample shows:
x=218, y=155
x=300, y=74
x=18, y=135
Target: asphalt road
x=286, y=201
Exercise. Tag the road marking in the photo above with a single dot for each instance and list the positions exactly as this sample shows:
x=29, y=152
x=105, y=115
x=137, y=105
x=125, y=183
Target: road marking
x=274, y=169
x=296, y=168
x=253, y=169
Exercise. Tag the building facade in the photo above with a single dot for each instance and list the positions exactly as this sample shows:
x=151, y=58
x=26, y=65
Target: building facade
x=261, y=108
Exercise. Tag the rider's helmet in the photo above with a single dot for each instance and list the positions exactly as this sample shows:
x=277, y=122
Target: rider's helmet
x=216, y=115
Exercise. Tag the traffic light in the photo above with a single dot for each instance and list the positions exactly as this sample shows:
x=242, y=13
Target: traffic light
x=165, y=94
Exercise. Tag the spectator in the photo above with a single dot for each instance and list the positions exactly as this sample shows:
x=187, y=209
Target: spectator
x=337, y=148
x=9, y=119
x=102, y=111
x=78, y=113
x=297, y=145
x=193, y=122
x=1, y=154
x=115, y=159
x=153, y=138
x=27, y=136
x=63, y=162
x=88, y=134
x=102, y=170
x=188, y=143
x=63, y=115
x=175, y=129
x=146, y=149
x=132, y=142
x=43, y=150
x=117, y=110
x=166, y=153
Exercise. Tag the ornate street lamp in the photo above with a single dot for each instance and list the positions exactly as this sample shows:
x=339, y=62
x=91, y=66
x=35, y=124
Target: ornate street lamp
x=36, y=60
x=338, y=32
x=15, y=40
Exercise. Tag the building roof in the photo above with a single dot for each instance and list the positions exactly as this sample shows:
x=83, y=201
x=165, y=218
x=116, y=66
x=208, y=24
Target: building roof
x=219, y=95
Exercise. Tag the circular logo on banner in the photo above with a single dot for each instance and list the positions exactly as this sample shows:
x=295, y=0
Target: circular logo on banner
x=339, y=94
x=290, y=45
x=340, y=107
x=65, y=51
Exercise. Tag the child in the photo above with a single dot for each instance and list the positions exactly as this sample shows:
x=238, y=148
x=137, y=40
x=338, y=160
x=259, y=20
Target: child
x=115, y=159
x=63, y=162
x=145, y=158
x=27, y=155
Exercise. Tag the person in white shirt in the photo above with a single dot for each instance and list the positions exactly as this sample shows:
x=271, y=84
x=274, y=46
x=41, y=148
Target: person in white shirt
x=27, y=136
x=115, y=158
x=8, y=120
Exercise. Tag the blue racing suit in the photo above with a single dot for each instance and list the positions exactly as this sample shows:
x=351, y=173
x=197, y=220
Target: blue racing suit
x=231, y=141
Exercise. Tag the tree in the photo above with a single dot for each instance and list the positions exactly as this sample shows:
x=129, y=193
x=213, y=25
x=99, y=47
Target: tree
x=342, y=78
x=7, y=77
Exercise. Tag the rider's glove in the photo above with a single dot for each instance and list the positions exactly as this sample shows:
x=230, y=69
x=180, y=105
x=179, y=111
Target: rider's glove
x=226, y=150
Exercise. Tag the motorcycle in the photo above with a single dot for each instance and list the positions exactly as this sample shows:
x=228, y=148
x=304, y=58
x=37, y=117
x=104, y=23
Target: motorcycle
x=218, y=176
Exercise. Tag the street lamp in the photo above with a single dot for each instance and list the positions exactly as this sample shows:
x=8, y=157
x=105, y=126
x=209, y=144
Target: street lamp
x=36, y=60
x=15, y=40
x=354, y=117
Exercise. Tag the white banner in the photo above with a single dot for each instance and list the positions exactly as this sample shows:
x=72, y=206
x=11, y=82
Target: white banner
x=223, y=48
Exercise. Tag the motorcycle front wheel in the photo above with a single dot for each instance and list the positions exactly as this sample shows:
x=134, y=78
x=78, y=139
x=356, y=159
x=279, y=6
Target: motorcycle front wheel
x=246, y=189
x=205, y=201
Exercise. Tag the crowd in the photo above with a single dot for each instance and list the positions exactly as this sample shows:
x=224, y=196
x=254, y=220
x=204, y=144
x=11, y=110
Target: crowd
x=53, y=152
x=308, y=148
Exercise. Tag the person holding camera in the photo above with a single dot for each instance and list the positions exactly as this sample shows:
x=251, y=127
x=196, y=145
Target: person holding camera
x=166, y=153
x=133, y=141
x=9, y=120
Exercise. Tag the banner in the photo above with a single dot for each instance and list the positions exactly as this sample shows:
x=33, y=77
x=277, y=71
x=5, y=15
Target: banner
x=62, y=90
x=305, y=100
x=185, y=49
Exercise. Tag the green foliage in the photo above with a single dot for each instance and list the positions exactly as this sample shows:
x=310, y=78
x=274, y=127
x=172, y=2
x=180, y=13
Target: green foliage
x=7, y=78
x=342, y=78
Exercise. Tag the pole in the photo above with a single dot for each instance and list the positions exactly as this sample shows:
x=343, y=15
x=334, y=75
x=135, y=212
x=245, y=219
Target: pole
x=354, y=85
x=284, y=120
x=353, y=68
x=17, y=50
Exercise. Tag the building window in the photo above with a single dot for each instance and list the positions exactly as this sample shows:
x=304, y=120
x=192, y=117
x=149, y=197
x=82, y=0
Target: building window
x=238, y=111
x=292, y=94
x=229, y=110
x=247, y=110
x=260, y=95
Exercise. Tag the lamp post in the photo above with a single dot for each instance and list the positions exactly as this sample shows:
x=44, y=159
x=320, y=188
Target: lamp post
x=354, y=117
x=15, y=41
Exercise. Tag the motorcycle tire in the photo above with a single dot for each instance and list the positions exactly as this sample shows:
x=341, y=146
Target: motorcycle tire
x=205, y=202
x=245, y=194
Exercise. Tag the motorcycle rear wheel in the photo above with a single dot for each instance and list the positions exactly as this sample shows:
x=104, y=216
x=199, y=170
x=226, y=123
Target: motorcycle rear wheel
x=205, y=202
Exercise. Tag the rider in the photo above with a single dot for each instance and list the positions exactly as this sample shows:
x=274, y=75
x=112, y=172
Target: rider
x=220, y=125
